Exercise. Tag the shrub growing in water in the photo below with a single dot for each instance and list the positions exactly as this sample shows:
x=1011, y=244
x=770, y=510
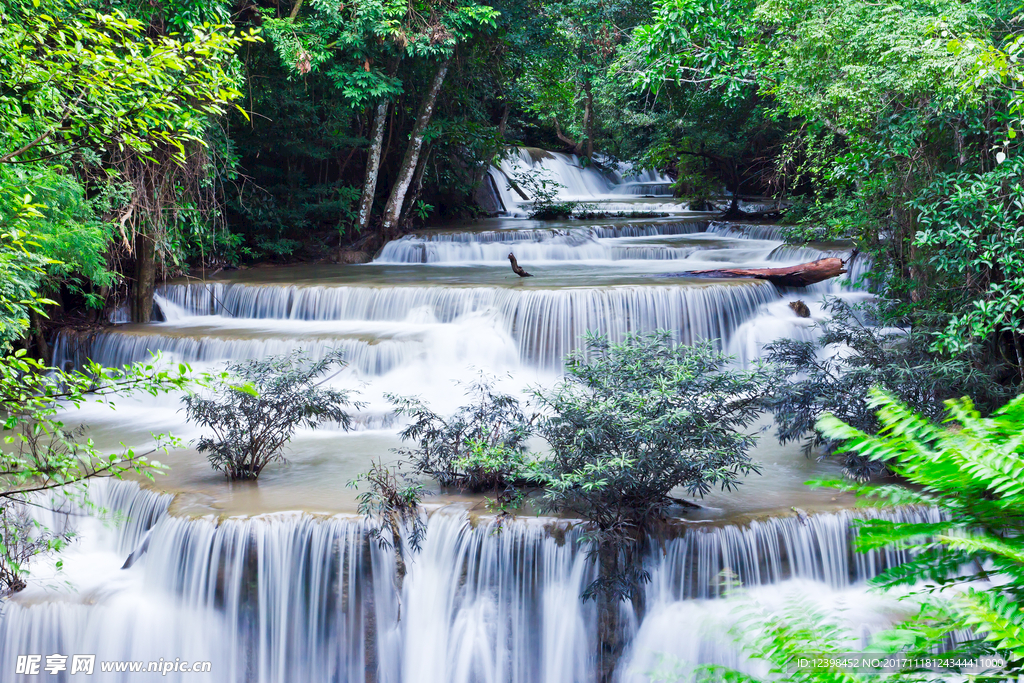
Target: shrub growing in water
x=481, y=448
x=632, y=421
x=257, y=405
x=834, y=374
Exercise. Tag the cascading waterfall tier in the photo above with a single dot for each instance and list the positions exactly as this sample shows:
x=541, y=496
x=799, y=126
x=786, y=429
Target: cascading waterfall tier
x=290, y=597
x=119, y=348
x=545, y=324
x=577, y=181
x=747, y=231
x=538, y=244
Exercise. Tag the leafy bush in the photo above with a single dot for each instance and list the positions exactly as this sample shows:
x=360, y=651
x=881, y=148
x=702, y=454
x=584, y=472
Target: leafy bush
x=394, y=499
x=482, y=447
x=544, y=191
x=632, y=421
x=971, y=225
x=257, y=405
x=393, y=503
x=834, y=374
x=42, y=455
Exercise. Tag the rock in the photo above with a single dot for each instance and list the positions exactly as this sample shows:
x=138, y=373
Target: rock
x=800, y=308
x=349, y=257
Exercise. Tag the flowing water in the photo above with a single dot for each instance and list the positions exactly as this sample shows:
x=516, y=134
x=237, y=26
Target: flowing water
x=291, y=597
x=278, y=582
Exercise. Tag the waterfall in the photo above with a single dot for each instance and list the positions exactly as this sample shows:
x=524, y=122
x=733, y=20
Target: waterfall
x=296, y=596
x=543, y=324
x=747, y=231
x=538, y=244
x=578, y=181
x=288, y=596
x=115, y=349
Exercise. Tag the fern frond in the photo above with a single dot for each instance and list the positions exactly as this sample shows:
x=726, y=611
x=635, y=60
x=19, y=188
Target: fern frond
x=997, y=616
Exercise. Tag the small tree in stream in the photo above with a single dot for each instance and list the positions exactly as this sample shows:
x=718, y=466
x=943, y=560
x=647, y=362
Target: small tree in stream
x=257, y=405
x=634, y=420
x=630, y=422
x=481, y=448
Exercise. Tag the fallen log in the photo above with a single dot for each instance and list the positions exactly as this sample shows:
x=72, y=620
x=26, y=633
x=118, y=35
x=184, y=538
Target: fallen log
x=790, y=276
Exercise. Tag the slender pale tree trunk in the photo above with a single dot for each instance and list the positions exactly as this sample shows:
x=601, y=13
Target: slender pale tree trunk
x=393, y=210
x=417, y=185
x=380, y=116
x=588, y=126
x=503, y=124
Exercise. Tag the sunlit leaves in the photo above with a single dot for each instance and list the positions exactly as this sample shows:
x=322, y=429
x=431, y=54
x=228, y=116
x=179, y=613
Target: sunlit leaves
x=972, y=469
x=76, y=77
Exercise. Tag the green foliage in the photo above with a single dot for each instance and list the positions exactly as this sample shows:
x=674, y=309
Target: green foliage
x=632, y=421
x=972, y=469
x=965, y=577
x=898, y=124
x=481, y=447
x=393, y=501
x=21, y=270
x=77, y=78
x=68, y=233
x=971, y=227
x=257, y=405
x=544, y=190
x=691, y=42
x=41, y=453
x=834, y=374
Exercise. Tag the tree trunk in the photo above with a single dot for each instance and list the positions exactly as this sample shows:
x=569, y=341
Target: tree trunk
x=609, y=628
x=145, y=278
x=562, y=136
x=588, y=125
x=417, y=186
x=791, y=276
x=393, y=210
x=503, y=124
x=380, y=116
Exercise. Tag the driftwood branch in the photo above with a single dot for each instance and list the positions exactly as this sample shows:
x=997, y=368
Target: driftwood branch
x=516, y=268
x=790, y=276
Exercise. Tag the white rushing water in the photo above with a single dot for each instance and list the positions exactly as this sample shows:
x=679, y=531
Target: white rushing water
x=240, y=576
x=290, y=597
x=614, y=186
x=411, y=327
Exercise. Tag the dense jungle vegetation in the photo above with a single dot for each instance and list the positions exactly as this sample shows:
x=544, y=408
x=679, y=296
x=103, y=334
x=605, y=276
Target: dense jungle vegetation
x=146, y=140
